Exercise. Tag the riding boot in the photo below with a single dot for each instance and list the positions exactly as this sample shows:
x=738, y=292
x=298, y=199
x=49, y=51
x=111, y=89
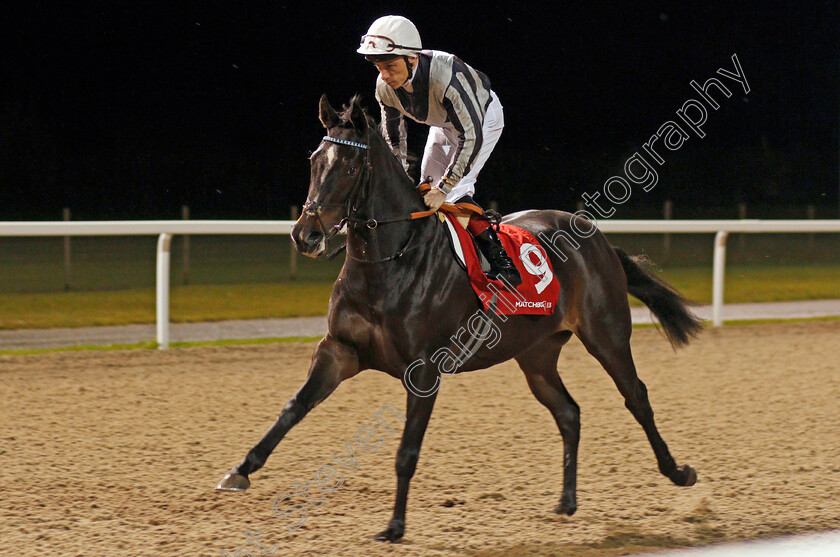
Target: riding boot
x=501, y=266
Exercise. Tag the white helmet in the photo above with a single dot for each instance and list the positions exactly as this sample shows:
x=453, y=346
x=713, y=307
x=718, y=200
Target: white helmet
x=391, y=35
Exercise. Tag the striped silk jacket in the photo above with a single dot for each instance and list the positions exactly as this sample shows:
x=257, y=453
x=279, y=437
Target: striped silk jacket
x=446, y=93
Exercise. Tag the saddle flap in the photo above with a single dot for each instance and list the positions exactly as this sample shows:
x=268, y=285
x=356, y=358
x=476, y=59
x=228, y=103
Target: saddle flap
x=458, y=248
x=540, y=289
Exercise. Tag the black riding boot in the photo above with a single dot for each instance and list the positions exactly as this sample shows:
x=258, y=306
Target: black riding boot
x=501, y=265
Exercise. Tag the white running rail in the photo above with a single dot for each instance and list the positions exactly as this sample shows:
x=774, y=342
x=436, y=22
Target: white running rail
x=165, y=229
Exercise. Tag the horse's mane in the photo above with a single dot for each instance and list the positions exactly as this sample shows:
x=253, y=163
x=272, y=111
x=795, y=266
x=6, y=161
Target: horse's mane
x=346, y=109
x=377, y=133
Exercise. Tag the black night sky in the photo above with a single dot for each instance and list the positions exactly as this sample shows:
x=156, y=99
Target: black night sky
x=131, y=109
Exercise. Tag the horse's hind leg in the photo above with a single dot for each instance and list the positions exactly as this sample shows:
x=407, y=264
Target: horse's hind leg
x=610, y=344
x=540, y=366
x=332, y=363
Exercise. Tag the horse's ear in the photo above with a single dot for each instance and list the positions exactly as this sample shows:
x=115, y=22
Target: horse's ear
x=328, y=116
x=358, y=117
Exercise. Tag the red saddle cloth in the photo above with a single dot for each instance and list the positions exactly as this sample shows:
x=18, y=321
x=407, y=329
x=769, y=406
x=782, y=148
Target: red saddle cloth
x=538, y=293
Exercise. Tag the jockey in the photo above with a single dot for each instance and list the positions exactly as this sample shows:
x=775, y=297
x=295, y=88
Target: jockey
x=464, y=115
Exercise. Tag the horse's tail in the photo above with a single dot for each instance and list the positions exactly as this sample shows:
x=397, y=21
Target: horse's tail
x=669, y=306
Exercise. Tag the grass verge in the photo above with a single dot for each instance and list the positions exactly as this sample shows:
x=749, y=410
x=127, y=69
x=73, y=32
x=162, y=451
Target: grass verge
x=196, y=303
x=151, y=345
x=188, y=304
x=748, y=284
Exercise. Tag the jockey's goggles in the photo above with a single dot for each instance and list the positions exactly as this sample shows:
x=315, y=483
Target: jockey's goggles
x=383, y=44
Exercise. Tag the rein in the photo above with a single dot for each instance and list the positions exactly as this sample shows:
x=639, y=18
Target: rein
x=349, y=206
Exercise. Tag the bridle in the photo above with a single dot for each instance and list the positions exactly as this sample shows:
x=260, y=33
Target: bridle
x=313, y=208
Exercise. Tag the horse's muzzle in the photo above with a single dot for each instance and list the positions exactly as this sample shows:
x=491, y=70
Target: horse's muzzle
x=309, y=241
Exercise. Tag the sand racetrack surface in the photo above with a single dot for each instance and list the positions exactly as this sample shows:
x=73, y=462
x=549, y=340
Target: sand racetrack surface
x=117, y=453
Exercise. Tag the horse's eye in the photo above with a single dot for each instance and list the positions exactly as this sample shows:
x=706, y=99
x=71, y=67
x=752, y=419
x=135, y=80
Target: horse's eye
x=352, y=170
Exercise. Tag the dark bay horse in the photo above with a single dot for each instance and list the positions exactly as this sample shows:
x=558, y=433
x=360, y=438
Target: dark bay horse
x=401, y=295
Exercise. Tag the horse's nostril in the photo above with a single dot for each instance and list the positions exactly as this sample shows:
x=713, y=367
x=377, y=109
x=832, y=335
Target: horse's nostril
x=314, y=237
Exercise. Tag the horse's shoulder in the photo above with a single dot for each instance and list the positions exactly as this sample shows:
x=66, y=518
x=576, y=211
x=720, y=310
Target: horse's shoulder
x=347, y=320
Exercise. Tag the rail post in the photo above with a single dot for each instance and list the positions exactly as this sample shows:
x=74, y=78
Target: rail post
x=717, y=277
x=164, y=246
x=185, y=215
x=65, y=215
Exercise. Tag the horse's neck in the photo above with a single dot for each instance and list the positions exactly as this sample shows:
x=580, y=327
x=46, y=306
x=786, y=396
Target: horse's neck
x=426, y=269
x=425, y=256
x=390, y=194
x=423, y=242
x=391, y=191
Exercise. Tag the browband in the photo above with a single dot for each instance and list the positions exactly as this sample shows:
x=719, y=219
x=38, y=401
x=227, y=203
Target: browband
x=345, y=142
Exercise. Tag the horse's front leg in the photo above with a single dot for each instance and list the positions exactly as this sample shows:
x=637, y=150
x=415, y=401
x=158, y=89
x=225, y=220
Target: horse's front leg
x=332, y=363
x=419, y=411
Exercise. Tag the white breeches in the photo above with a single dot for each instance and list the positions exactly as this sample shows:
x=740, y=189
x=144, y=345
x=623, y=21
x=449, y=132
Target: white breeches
x=441, y=145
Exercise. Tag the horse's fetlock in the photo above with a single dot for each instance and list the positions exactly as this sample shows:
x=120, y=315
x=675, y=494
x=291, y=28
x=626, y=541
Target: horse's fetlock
x=251, y=464
x=669, y=468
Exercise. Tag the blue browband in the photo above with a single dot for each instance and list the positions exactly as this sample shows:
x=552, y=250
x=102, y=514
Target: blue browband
x=345, y=142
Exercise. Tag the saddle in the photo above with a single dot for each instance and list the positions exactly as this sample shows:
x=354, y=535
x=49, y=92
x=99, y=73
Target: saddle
x=540, y=289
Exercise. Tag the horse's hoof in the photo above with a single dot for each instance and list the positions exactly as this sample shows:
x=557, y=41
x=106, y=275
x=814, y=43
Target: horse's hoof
x=393, y=533
x=690, y=475
x=566, y=508
x=233, y=482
